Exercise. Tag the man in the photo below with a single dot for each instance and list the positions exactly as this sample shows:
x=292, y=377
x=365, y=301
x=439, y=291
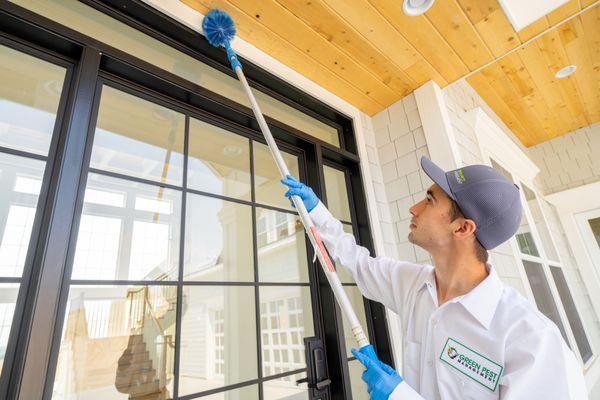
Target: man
x=466, y=335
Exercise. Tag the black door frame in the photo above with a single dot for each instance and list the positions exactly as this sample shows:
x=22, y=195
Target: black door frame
x=43, y=293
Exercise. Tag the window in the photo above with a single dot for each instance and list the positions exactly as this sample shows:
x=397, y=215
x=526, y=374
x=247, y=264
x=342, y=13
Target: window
x=572, y=314
x=545, y=254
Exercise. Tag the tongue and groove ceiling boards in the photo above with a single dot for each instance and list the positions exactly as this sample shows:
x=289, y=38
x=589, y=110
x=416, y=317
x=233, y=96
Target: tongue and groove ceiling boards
x=370, y=54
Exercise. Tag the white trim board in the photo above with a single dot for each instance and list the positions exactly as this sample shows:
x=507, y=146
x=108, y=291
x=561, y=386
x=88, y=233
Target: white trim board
x=493, y=141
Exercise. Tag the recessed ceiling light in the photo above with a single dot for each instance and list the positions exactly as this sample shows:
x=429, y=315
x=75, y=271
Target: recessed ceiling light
x=566, y=71
x=232, y=150
x=413, y=8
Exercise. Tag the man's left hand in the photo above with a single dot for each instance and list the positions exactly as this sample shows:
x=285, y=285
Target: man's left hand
x=381, y=379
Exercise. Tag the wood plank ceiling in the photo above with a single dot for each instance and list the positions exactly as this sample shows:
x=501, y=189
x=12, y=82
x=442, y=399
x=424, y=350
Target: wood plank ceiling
x=370, y=54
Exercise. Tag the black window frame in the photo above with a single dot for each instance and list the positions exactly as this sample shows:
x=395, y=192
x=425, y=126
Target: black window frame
x=90, y=62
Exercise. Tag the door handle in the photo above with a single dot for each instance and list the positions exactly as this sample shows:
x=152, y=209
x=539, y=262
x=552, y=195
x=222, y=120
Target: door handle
x=316, y=367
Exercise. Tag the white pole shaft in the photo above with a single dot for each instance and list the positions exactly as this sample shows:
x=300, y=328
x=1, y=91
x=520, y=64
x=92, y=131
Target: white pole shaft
x=324, y=259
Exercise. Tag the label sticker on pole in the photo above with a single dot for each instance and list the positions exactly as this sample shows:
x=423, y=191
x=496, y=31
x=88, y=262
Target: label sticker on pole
x=322, y=248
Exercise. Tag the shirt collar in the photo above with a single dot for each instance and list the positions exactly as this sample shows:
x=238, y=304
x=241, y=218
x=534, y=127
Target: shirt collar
x=481, y=301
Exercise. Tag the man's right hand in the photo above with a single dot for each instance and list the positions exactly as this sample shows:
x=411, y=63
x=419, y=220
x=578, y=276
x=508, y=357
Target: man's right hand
x=297, y=188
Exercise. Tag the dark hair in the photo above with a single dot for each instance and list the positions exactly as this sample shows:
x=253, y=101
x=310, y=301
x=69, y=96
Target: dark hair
x=480, y=252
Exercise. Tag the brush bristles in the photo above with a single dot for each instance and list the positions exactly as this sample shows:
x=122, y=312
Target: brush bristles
x=218, y=28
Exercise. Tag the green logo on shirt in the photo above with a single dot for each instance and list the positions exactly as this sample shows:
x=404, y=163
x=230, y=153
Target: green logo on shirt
x=472, y=364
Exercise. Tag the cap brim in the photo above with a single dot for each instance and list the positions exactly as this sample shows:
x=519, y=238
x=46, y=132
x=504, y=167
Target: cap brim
x=437, y=175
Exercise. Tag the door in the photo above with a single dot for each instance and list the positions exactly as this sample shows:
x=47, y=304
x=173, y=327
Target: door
x=190, y=274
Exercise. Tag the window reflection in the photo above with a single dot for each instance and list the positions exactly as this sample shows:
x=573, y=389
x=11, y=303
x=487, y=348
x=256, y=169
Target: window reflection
x=218, y=337
x=281, y=247
x=8, y=298
x=117, y=343
x=337, y=193
x=219, y=161
x=29, y=98
x=285, y=319
x=138, y=138
x=128, y=230
x=269, y=189
x=20, y=182
x=218, y=240
x=540, y=223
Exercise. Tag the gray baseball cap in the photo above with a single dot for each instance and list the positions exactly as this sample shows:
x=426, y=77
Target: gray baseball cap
x=483, y=195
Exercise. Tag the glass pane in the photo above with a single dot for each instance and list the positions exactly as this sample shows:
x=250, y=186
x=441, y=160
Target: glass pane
x=285, y=388
x=245, y=393
x=219, y=161
x=218, y=240
x=20, y=183
x=218, y=337
x=138, y=138
x=342, y=272
x=269, y=190
x=572, y=314
x=135, y=239
x=118, y=342
x=525, y=238
x=281, y=247
x=8, y=299
x=595, y=226
x=285, y=319
x=500, y=169
x=359, y=387
x=358, y=304
x=337, y=193
x=29, y=95
x=542, y=294
x=540, y=223
x=95, y=24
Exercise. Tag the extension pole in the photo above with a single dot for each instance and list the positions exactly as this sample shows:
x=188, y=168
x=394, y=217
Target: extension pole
x=326, y=264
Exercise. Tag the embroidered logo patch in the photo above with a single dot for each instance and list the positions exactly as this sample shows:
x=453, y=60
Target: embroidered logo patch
x=472, y=364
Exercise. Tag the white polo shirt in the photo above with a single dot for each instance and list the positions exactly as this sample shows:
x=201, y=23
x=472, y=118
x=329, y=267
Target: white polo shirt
x=490, y=343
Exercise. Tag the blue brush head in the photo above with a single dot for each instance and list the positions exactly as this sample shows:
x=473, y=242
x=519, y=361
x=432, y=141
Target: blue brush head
x=218, y=28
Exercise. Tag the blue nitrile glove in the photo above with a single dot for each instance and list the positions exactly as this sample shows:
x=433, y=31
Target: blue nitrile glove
x=297, y=188
x=381, y=379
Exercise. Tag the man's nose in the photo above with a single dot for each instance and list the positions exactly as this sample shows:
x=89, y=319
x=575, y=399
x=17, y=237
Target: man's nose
x=415, y=209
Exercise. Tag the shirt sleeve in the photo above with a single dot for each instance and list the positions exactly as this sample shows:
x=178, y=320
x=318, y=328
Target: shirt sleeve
x=541, y=366
x=404, y=392
x=378, y=278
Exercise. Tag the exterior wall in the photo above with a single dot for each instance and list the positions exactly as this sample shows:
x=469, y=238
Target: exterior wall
x=570, y=160
x=400, y=144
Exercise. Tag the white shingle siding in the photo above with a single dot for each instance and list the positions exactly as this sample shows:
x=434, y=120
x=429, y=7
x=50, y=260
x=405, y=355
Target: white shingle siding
x=576, y=155
x=399, y=128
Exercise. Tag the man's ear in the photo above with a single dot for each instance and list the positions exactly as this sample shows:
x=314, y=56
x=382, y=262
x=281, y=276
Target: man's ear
x=465, y=227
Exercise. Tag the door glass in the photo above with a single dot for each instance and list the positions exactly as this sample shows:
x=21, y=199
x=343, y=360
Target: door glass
x=218, y=338
x=219, y=161
x=8, y=293
x=20, y=183
x=540, y=223
x=128, y=231
x=572, y=314
x=359, y=388
x=281, y=247
x=543, y=295
x=286, y=388
x=138, y=138
x=117, y=342
x=337, y=193
x=525, y=238
x=30, y=91
x=269, y=189
x=219, y=248
x=285, y=319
